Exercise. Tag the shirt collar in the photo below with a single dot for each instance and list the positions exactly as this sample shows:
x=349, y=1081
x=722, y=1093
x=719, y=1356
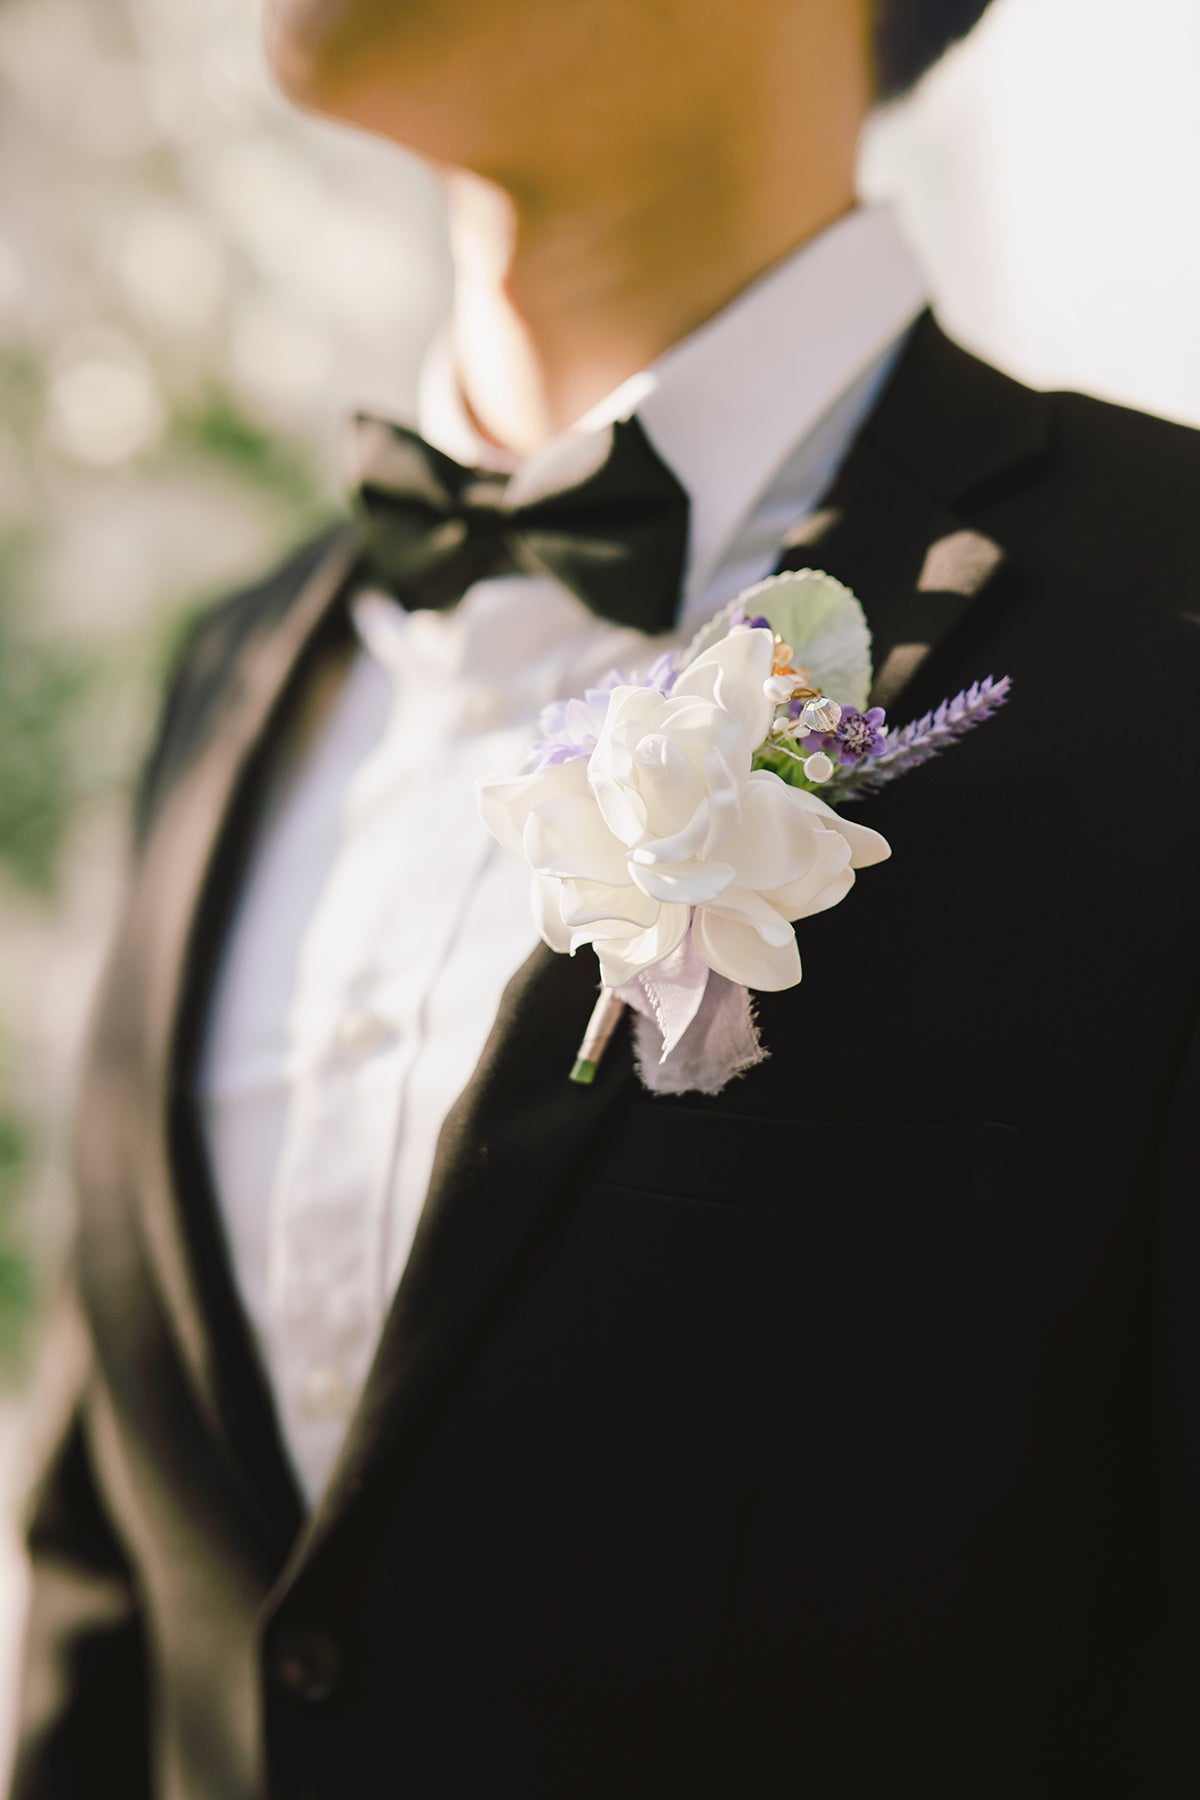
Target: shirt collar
x=730, y=403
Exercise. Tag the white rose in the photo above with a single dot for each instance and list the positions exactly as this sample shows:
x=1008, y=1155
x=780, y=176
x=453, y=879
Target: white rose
x=665, y=826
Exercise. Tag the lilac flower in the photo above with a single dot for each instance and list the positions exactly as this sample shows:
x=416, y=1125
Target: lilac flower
x=859, y=734
x=662, y=673
x=568, y=728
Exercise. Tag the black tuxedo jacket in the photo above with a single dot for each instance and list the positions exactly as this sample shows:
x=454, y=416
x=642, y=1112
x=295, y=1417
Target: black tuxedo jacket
x=835, y=1437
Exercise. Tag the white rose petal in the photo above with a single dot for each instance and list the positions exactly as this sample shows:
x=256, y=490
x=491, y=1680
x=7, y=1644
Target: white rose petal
x=692, y=884
x=867, y=847
x=831, y=862
x=547, y=913
x=591, y=903
x=731, y=674
x=735, y=948
x=565, y=836
x=505, y=804
x=777, y=839
x=624, y=953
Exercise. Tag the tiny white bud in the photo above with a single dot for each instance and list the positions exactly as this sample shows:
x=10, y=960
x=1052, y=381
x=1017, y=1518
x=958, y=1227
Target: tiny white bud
x=798, y=729
x=779, y=728
x=818, y=767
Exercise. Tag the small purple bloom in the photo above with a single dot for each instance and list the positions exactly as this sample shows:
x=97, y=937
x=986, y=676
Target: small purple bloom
x=859, y=734
x=742, y=617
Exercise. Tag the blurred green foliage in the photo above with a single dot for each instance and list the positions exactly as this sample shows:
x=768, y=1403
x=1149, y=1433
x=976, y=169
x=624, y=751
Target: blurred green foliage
x=16, y=1269
x=42, y=689
x=218, y=427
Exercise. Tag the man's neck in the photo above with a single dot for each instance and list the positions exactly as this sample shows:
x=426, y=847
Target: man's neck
x=560, y=297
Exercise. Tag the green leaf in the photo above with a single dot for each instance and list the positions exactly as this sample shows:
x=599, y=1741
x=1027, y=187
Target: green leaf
x=824, y=624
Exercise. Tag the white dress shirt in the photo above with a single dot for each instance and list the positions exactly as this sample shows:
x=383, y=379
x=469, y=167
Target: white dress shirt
x=378, y=922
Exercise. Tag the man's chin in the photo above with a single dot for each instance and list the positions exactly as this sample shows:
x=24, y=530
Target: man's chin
x=311, y=47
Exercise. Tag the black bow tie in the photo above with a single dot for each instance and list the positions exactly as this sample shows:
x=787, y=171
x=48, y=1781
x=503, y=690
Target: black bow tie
x=602, y=512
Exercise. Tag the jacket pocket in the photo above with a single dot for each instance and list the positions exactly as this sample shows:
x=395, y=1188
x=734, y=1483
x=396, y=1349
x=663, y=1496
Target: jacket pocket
x=808, y=1165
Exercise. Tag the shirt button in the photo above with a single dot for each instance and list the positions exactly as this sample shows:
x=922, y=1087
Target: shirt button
x=305, y=1662
x=327, y=1393
x=362, y=1031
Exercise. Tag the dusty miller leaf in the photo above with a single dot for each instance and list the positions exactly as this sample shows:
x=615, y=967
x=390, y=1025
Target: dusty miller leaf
x=825, y=626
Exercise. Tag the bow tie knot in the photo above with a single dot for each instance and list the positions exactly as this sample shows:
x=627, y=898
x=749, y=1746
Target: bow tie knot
x=600, y=512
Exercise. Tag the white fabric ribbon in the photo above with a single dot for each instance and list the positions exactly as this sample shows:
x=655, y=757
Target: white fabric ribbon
x=695, y=1030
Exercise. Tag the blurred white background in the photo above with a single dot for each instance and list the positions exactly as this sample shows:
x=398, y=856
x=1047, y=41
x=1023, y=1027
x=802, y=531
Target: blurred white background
x=1049, y=173
x=195, y=285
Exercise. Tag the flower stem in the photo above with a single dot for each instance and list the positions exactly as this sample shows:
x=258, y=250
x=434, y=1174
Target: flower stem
x=605, y=1017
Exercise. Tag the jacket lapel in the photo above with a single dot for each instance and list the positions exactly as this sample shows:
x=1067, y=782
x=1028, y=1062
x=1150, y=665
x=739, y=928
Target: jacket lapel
x=521, y=1131
x=916, y=573
x=947, y=427
x=156, y=1002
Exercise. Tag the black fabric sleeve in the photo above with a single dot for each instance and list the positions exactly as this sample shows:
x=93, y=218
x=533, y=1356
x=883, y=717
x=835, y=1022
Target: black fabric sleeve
x=1171, y=1751
x=83, y=1718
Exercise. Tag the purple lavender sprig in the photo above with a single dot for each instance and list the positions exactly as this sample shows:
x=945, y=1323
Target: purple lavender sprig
x=915, y=744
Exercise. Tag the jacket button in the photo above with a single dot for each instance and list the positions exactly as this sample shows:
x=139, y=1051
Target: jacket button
x=305, y=1662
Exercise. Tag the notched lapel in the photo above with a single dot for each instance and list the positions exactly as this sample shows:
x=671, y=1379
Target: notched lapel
x=946, y=429
x=916, y=568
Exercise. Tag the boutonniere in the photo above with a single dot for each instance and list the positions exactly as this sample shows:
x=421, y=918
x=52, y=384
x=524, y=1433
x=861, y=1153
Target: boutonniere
x=682, y=823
